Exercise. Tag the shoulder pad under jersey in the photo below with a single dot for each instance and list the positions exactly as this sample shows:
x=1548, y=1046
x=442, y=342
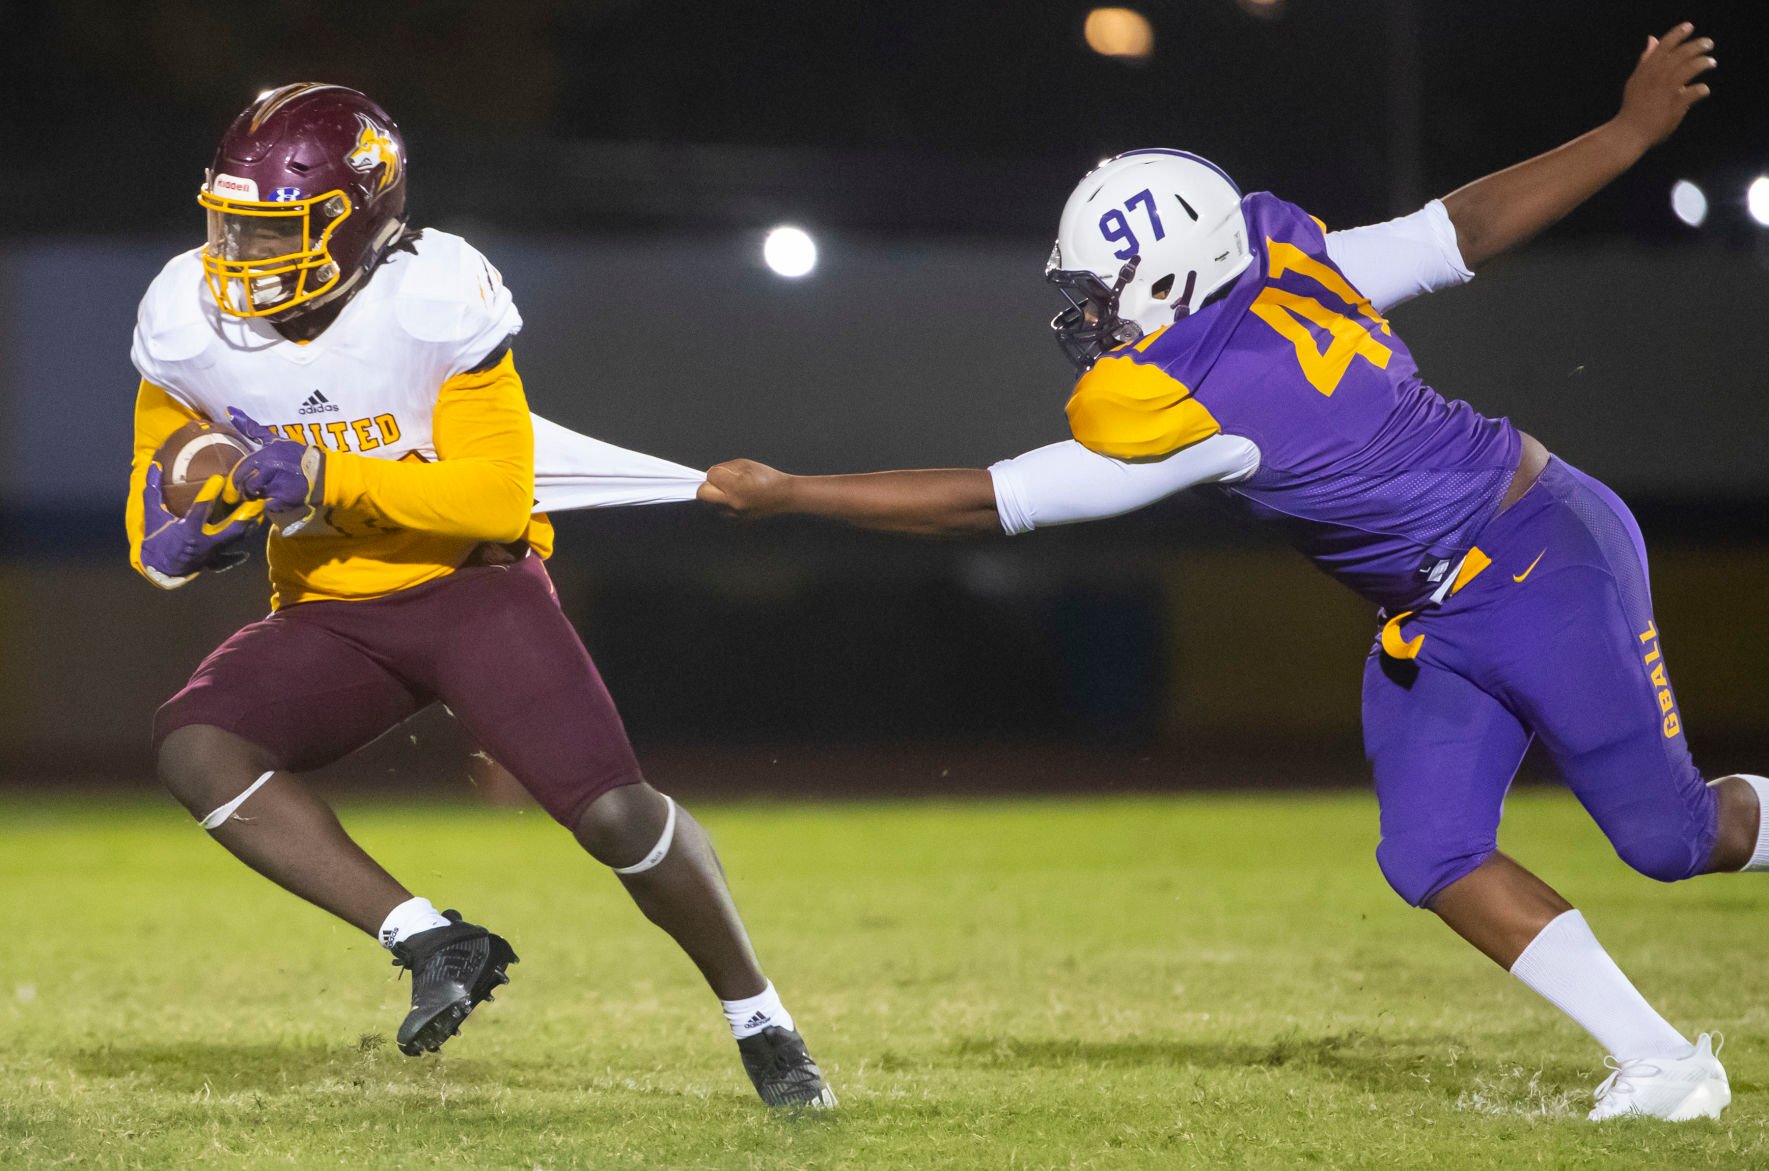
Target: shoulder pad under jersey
x=173, y=323
x=1268, y=214
x=448, y=294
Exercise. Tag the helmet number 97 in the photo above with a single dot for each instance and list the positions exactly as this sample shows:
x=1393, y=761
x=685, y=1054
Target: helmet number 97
x=1115, y=227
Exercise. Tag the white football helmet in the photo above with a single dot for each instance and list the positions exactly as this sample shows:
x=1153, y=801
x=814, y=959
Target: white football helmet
x=1144, y=240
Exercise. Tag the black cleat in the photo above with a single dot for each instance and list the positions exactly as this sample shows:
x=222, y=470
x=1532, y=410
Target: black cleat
x=784, y=1073
x=453, y=969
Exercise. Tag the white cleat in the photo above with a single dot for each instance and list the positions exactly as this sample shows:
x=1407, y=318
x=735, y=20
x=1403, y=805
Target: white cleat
x=1676, y=1088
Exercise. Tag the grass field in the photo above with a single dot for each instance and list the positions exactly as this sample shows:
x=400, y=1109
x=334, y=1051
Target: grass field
x=1134, y=982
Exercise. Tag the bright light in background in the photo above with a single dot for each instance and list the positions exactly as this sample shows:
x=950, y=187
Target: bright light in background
x=1689, y=203
x=1756, y=199
x=1119, y=32
x=790, y=251
x=1265, y=9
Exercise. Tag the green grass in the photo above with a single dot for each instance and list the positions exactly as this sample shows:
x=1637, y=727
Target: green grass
x=1147, y=982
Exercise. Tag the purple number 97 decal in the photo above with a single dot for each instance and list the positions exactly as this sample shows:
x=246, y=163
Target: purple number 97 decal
x=1147, y=199
x=1116, y=229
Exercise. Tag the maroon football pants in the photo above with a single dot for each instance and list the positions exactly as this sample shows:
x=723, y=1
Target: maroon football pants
x=315, y=681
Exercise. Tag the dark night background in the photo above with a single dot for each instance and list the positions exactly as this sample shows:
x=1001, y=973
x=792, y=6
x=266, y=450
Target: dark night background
x=620, y=116
x=620, y=162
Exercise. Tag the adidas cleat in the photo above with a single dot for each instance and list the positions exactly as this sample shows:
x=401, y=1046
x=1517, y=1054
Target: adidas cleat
x=784, y=1073
x=453, y=969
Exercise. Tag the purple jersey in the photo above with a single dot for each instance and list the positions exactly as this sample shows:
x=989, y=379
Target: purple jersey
x=1373, y=475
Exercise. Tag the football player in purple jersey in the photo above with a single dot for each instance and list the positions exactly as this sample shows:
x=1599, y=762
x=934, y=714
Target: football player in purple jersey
x=1233, y=342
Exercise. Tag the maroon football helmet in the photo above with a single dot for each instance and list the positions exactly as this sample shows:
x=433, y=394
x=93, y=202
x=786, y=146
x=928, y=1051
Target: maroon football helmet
x=306, y=194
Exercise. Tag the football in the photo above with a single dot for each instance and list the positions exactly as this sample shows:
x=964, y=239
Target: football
x=192, y=454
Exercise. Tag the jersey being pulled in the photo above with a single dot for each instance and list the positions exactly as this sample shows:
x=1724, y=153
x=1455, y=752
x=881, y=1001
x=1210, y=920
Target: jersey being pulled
x=368, y=385
x=1373, y=475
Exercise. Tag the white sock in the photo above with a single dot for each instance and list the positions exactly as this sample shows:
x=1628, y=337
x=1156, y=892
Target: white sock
x=1759, y=855
x=409, y=918
x=1571, y=971
x=753, y=1014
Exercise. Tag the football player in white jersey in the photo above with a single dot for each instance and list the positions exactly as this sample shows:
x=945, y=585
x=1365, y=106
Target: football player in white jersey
x=395, y=471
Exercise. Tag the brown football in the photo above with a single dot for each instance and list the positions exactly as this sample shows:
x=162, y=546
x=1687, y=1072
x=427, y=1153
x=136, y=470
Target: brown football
x=192, y=454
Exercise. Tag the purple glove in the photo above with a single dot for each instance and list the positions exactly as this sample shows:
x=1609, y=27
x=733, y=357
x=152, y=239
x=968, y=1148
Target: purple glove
x=288, y=476
x=175, y=548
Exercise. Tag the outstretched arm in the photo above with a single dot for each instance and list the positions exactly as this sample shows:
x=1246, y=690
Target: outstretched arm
x=1059, y=484
x=1508, y=207
x=922, y=501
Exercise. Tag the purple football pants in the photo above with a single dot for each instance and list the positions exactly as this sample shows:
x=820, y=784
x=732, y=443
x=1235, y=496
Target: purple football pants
x=1554, y=639
x=318, y=680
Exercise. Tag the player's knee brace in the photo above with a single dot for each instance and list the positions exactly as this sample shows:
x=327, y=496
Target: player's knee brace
x=658, y=852
x=1418, y=869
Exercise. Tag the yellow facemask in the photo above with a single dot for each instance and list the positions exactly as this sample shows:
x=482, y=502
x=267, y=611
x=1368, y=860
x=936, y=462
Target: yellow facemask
x=264, y=258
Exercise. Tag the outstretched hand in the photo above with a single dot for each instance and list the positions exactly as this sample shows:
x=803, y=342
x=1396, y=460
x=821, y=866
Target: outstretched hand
x=1662, y=87
x=743, y=487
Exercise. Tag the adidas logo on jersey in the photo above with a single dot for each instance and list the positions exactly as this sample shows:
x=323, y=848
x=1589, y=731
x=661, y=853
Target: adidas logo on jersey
x=317, y=404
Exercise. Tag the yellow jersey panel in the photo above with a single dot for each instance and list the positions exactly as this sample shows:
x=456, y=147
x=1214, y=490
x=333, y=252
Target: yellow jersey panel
x=1128, y=410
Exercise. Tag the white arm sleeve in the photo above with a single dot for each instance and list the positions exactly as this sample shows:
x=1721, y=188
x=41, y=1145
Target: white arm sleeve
x=1065, y=482
x=575, y=471
x=1398, y=260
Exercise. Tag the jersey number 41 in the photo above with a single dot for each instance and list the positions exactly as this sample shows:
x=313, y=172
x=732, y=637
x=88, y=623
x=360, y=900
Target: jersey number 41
x=1287, y=312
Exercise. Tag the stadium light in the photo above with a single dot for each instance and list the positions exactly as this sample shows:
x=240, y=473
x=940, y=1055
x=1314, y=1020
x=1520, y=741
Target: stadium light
x=790, y=251
x=1756, y=200
x=1264, y=9
x=1689, y=203
x=1119, y=32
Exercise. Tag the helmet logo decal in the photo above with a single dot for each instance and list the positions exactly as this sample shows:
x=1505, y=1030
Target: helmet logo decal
x=233, y=187
x=374, y=148
x=285, y=195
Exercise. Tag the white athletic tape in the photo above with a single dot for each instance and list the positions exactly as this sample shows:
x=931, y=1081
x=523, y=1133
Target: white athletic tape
x=220, y=816
x=660, y=849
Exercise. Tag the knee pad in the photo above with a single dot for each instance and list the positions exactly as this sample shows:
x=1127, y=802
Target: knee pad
x=1417, y=869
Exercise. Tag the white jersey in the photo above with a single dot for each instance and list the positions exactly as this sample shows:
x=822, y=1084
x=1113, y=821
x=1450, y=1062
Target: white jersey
x=368, y=384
